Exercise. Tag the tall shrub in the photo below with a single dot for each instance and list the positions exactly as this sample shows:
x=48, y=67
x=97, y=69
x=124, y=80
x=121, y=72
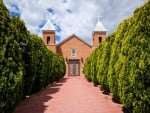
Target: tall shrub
x=11, y=74
x=124, y=62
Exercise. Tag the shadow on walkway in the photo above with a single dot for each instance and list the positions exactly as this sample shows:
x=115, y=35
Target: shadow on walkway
x=36, y=102
x=113, y=98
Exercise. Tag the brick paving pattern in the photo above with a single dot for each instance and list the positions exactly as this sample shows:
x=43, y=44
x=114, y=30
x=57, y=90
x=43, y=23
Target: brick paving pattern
x=73, y=94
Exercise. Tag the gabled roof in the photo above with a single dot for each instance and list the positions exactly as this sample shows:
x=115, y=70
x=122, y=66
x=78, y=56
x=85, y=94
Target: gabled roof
x=48, y=26
x=73, y=36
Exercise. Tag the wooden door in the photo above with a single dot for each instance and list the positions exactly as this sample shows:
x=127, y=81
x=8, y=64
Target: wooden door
x=74, y=67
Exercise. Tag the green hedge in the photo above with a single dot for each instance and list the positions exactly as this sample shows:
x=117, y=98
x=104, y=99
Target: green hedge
x=11, y=82
x=22, y=74
x=122, y=62
x=41, y=66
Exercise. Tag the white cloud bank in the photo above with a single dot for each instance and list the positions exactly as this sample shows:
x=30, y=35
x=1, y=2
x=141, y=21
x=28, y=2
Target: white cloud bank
x=74, y=16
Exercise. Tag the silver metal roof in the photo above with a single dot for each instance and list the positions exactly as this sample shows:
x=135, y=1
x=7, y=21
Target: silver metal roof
x=100, y=27
x=48, y=26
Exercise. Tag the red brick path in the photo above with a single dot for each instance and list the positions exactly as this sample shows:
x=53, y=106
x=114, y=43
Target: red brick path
x=73, y=94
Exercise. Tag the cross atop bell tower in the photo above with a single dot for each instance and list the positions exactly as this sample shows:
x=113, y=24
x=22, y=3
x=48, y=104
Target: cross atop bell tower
x=99, y=16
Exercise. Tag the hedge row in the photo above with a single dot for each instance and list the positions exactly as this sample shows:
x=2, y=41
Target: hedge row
x=41, y=66
x=121, y=64
x=22, y=74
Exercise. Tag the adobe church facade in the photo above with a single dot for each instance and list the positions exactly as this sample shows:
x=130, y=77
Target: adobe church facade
x=73, y=49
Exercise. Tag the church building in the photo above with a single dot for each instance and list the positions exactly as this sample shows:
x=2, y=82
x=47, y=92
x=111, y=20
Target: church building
x=73, y=49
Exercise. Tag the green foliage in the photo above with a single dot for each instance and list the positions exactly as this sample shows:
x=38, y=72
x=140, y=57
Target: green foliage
x=11, y=66
x=103, y=62
x=41, y=66
x=90, y=69
x=123, y=62
x=22, y=74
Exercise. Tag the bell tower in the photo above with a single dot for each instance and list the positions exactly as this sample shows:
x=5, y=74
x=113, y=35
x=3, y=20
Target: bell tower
x=48, y=32
x=99, y=33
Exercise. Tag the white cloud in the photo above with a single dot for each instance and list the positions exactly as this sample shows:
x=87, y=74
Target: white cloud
x=80, y=20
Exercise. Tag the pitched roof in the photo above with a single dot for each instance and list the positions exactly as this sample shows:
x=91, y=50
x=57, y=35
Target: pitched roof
x=48, y=26
x=100, y=27
x=73, y=36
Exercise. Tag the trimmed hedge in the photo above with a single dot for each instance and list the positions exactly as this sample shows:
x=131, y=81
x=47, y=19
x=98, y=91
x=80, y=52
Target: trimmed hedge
x=41, y=66
x=122, y=62
x=22, y=74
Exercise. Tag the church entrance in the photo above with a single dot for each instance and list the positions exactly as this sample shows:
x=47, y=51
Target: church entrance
x=74, y=67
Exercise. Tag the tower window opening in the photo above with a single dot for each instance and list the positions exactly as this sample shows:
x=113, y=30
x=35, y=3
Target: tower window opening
x=100, y=39
x=48, y=40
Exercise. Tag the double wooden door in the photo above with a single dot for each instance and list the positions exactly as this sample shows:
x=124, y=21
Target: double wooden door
x=74, y=67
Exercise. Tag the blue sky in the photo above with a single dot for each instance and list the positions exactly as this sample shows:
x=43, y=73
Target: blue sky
x=72, y=16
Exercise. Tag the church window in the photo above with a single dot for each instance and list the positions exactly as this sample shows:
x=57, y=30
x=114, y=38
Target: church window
x=73, y=53
x=48, y=40
x=100, y=39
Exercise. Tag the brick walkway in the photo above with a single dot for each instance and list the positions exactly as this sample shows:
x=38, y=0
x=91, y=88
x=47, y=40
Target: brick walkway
x=70, y=95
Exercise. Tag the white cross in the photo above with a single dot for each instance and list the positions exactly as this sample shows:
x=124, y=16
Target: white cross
x=47, y=16
x=99, y=16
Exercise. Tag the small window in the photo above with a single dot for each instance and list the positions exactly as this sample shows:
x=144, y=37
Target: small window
x=48, y=40
x=73, y=53
x=100, y=39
